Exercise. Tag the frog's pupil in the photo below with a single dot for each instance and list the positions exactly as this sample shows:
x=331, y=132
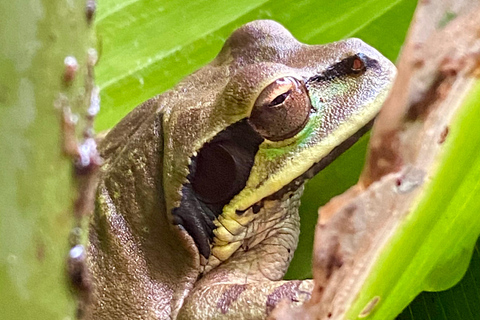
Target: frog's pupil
x=280, y=99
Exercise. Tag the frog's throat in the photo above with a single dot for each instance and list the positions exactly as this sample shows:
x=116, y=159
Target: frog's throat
x=233, y=231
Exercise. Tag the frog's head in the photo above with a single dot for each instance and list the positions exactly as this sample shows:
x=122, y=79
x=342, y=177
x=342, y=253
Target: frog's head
x=268, y=113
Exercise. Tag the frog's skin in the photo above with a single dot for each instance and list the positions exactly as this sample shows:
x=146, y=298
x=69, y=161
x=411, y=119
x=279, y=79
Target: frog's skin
x=197, y=206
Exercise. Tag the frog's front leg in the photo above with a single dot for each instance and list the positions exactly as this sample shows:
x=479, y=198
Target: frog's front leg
x=248, y=284
x=252, y=300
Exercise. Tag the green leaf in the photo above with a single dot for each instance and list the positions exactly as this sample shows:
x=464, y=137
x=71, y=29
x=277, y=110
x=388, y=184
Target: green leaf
x=37, y=191
x=460, y=302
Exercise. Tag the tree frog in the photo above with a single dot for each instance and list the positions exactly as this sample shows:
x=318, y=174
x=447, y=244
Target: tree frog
x=196, y=211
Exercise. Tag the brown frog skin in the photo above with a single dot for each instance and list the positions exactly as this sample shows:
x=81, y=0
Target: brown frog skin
x=197, y=204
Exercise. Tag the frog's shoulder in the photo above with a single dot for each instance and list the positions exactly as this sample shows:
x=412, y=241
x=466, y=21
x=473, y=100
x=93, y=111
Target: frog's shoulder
x=144, y=266
x=111, y=143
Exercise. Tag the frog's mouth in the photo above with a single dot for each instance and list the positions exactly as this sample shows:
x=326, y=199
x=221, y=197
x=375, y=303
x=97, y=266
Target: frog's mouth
x=323, y=163
x=246, y=228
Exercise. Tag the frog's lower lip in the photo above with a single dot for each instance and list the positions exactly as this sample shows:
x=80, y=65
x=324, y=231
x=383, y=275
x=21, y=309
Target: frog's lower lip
x=324, y=162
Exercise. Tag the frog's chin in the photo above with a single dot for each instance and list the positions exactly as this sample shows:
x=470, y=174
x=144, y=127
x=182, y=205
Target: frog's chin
x=322, y=163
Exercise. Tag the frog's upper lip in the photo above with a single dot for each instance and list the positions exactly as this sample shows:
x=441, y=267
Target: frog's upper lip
x=324, y=162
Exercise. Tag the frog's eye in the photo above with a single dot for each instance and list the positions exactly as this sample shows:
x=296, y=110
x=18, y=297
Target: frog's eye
x=281, y=110
x=356, y=63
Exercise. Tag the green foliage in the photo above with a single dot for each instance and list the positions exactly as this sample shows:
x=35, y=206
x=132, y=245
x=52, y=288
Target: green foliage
x=460, y=302
x=36, y=190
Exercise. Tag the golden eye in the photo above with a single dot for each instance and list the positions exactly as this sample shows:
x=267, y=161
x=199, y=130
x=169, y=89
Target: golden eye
x=281, y=110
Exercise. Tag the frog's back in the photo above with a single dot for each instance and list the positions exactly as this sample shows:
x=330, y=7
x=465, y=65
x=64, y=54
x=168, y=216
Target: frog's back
x=142, y=265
